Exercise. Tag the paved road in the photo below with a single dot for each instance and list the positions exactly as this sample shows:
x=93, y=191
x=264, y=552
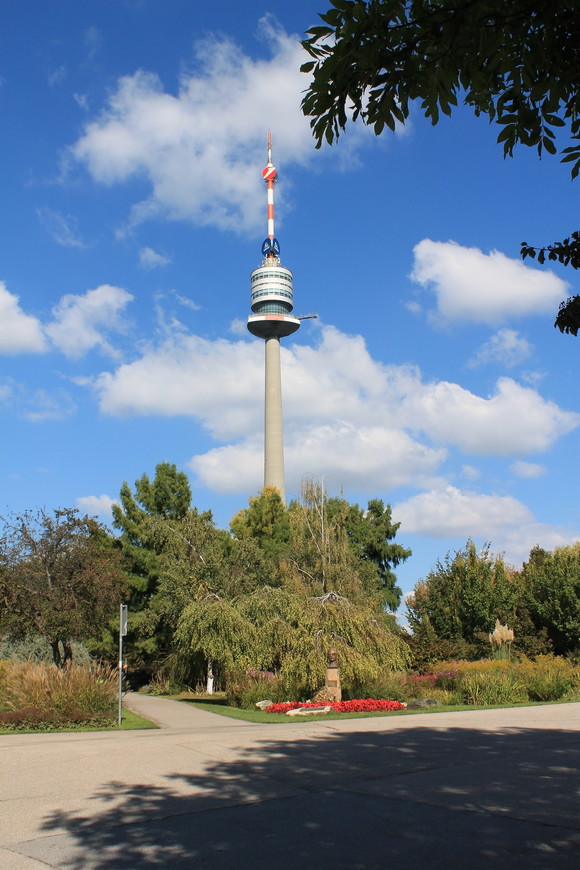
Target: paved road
x=493, y=789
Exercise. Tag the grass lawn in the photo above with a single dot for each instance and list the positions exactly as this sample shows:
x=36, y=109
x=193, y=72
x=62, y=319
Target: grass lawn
x=217, y=705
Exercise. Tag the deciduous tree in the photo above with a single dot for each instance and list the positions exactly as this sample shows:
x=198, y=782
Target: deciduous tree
x=60, y=577
x=551, y=584
x=461, y=598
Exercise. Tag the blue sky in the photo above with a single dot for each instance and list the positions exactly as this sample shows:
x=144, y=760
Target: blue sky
x=133, y=211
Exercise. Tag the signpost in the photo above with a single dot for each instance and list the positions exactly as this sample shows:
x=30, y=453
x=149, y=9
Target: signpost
x=122, y=634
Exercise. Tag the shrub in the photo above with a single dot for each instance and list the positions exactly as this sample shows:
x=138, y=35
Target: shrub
x=489, y=687
x=161, y=685
x=465, y=667
x=38, y=694
x=417, y=685
x=389, y=684
x=245, y=690
x=549, y=678
x=38, y=649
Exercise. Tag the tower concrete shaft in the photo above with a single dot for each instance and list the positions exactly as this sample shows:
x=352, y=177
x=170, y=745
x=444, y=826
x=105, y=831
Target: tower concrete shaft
x=273, y=425
x=271, y=319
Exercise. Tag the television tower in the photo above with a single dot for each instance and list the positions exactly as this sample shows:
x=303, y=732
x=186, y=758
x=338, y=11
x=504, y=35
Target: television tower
x=271, y=319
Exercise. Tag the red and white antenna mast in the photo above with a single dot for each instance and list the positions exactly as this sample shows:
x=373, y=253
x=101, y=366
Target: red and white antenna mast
x=270, y=176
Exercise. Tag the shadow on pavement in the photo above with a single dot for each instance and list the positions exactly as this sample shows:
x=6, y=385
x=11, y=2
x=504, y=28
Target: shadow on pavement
x=413, y=798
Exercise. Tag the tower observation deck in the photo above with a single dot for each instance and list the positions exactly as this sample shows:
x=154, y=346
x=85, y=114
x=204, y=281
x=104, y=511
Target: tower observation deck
x=271, y=288
x=271, y=293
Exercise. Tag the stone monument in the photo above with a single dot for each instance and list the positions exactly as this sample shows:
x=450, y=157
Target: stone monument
x=332, y=684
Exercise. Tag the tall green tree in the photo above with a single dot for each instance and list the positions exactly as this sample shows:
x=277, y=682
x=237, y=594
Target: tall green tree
x=461, y=598
x=312, y=588
x=551, y=584
x=168, y=497
x=60, y=578
x=265, y=521
x=371, y=533
x=516, y=63
x=320, y=557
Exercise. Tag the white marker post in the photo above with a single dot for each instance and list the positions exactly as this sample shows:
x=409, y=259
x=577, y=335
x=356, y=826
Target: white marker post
x=122, y=634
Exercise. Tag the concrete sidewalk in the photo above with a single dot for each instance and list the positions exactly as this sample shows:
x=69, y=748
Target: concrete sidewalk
x=463, y=790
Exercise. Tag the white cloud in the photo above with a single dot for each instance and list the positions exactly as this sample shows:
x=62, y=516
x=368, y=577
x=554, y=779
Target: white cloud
x=80, y=322
x=527, y=469
x=93, y=40
x=56, y=76
x=514, y=421
x=199, y=148
x=452, y=513
x=82, y=100
x=43, y=405
x=238, y=327
x=345, y=413
x=506, y=347
x=150, y=259
x=516, y=542
x=186, y=301
x=470, y=472
x=63, y=229
x=19, y=332
x=192, y=376
x=96, y=505
x=483, y=288
x=503, y=521
x=356, y=456
x=235, y=468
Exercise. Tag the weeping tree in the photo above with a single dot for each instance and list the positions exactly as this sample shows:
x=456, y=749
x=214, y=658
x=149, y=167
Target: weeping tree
x=320, y=558
x=215, y=629
x=279, y=630
x=235, y=603
x=200, y=566
x=367, y=642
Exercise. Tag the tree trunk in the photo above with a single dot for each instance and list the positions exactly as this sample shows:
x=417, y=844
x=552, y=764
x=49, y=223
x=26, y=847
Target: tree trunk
x=68, y=653
x=209, y=684
x=57, y=658
x=61, y=658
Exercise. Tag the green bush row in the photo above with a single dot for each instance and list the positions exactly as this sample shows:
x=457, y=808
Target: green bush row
x=545, y=678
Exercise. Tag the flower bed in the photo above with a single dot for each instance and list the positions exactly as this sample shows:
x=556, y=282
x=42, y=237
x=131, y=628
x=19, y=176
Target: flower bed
x=364, y=705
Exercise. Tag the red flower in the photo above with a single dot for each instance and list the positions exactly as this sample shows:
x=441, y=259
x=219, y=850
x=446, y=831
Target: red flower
x=364, y=705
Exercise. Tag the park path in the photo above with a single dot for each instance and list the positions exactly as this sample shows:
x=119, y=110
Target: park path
x=440, y=790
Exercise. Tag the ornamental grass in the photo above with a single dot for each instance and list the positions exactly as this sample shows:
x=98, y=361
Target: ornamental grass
x=40, y=695
x=499, y=681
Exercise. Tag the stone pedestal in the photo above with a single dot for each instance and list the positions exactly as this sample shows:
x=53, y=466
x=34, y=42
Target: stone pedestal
x=332, y=682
